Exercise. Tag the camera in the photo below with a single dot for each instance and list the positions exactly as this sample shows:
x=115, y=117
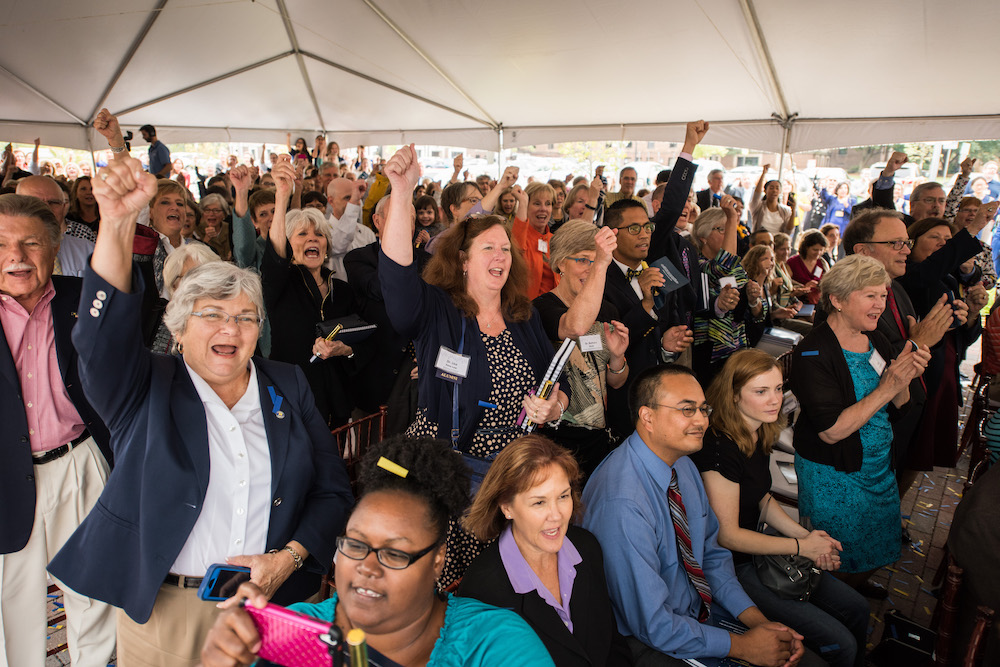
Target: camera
x=128, y=140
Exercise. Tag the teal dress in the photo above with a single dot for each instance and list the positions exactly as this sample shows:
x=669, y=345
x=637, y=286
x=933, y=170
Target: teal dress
x=474, y=633
x=861, y=509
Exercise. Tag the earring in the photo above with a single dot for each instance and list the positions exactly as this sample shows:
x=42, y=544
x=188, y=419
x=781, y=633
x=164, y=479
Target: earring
x=180, y=347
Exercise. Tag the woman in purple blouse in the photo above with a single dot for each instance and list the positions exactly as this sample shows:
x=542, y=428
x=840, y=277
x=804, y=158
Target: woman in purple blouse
x=550, y=572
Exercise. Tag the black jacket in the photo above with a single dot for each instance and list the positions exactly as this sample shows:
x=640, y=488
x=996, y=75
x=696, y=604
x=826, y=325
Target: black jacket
x=17, y=474
x=823, y=386
x=595, y=639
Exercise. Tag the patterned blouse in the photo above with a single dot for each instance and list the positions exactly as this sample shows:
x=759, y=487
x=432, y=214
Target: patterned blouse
x=727, y=333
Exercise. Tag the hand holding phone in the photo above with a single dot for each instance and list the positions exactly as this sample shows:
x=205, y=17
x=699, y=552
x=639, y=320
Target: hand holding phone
x=222, y=581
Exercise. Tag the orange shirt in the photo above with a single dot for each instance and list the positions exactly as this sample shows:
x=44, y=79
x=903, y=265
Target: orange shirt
x=535, y=246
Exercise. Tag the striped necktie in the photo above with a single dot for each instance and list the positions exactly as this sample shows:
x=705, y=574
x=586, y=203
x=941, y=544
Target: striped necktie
x=694, y=571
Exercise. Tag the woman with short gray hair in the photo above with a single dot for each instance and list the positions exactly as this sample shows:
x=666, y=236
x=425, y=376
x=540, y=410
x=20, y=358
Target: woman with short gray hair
x=215, y=230
x=581, y=255
x=220, y=457
x=850, y=389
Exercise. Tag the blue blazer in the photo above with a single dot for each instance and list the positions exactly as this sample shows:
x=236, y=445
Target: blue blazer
x=124, y=549
x=17, y=474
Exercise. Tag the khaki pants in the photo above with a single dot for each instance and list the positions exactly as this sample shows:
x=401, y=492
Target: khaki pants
x=66, y=490
x=174, y=634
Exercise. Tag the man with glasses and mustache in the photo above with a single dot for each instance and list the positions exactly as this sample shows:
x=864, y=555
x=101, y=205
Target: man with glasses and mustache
x=54, y=449
x=667, y=575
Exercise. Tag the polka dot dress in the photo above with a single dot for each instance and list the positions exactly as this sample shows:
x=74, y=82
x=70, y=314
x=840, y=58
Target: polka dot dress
x=511, y=378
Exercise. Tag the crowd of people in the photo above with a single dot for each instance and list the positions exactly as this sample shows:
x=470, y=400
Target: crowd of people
x=176, y=354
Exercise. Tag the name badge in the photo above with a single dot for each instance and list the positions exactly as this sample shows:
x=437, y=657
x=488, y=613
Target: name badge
x=591, y=343
x=877, y=362
x=838, y=214
x=451, y=365
x=818, y=271
x=727, y=281
x=543, y=246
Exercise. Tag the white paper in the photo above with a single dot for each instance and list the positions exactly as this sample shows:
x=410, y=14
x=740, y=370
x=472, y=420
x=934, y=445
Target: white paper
x=877, y=362
x=591, y=343
x=727, y=281
x=452, y=362
x=543, y=246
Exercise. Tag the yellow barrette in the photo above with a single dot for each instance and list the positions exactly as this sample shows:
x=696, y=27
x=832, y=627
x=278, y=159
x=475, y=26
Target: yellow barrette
x=392, y=467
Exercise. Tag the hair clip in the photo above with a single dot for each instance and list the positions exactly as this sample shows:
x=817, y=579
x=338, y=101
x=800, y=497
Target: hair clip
x=392, y=467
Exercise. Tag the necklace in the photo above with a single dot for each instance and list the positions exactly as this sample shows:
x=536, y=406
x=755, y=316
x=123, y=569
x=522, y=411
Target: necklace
x=494, y=319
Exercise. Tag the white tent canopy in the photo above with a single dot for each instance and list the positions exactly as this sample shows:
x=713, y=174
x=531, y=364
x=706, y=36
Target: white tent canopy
x=768, y=74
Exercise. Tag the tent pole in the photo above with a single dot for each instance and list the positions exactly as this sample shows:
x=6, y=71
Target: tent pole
x=43, y=95
x=500, y=160
x=294, y=40
x=784, y=149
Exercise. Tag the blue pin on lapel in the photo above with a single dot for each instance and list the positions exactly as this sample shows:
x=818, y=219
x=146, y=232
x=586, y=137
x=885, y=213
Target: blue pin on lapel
x=276, y=402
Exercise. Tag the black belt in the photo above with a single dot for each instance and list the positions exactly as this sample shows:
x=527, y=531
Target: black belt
x=180, y=581
x=60, y=451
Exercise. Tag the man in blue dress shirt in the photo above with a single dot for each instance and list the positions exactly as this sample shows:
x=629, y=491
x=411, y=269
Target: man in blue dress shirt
x=656, y=602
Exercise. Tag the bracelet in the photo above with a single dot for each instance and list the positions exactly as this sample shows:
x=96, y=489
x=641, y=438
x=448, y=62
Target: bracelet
x=555, y=423
x=295, y=556
x=116, y=149
x=914, y=344
x=796, y=545
x=754, y=304
x=620, y=370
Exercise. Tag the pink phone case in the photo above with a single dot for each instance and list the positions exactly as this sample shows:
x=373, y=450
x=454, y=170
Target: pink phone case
x=289, y=638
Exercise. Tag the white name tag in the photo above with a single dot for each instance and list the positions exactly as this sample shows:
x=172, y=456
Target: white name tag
x=818, y=271
x=877, y=362
x=727, y=281
x=543, y=246
x=591, y=343
x=451, y=365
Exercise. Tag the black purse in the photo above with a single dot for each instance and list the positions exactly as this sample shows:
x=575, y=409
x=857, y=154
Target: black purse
x=788, y=577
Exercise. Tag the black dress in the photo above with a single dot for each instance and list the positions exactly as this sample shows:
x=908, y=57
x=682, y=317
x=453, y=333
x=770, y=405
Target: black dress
x=295, y=306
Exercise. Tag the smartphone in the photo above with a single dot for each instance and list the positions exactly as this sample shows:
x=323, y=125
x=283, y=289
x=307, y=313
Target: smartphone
x=291, y=638
x=221, y=581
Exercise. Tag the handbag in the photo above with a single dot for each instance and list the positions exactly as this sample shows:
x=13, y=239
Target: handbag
x=788, y=577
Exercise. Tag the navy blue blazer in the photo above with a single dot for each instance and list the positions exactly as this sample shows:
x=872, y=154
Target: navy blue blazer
x=17, y=474
x=426, y=314
x=124, y=549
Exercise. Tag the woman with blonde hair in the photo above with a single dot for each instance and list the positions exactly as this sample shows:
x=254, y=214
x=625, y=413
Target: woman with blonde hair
x=746, y=398
x=544, y=568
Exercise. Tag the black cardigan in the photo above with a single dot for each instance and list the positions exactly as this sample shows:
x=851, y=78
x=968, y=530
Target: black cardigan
x=595, y=639
x=821, y=381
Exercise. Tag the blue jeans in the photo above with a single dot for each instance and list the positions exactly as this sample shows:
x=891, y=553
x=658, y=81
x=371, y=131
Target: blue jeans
x=834, y=622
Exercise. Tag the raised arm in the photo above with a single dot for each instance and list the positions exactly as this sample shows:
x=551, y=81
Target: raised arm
x=728, y=205
x=459, y=161
x=958, y=189
x=284, y=180
x=403, y=172
x=576, y=321
x=107, y=125
x=759, y=189
x=122, y=189
x=508, y=179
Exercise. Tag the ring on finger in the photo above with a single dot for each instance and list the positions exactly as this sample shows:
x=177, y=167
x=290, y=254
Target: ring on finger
x=103, y=175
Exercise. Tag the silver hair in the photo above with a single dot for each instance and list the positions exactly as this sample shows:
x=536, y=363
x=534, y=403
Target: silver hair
x=24, y=206
x=380, y=206
x=704, y=223
x=215, y=198
x=214, y=280
x=175, y=261
x=301, y=217
x=853, y=273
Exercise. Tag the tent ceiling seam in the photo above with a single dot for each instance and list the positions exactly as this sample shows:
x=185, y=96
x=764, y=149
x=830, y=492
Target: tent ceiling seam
x=293, y=38
x=420, y=52
x=202, y=84
x=136, y=43
x=397, y=89
x=42, y=95
x=764, y=53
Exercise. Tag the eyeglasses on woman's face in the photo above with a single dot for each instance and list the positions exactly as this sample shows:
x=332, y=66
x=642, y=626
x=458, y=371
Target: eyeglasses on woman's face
x=394, y=559
x=217, y=318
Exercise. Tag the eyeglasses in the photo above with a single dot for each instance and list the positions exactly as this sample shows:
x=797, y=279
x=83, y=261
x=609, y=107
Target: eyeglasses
x=636, y=228
x=896, y=245
x=721, y=230
x=394, y=559
x=217, y=318
x=473, y=200
x=581, y=260
x=211, y=210
x=54, y=202
x=688, y=410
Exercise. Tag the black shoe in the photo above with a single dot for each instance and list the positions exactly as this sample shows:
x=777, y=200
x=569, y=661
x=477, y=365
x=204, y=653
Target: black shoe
x=872, y=590
x=907, y=540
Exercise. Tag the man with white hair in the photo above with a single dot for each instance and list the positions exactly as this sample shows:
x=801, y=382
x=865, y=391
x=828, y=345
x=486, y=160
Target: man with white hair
x=54, y=449
x=74, y=252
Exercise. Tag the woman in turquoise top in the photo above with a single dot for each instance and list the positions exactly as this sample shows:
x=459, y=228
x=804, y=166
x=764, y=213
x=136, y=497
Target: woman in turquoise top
x=848, y=384
x=391, y=554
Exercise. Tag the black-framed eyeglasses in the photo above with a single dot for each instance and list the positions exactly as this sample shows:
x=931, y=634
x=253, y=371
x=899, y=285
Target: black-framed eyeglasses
x=394, y=559
x=896, y=245
x=688, y=410
x=636, y=228
x=217, y=318
x=581, y=260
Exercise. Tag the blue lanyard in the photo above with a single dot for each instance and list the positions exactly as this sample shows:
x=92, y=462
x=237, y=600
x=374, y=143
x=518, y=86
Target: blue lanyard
x=454, y=395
